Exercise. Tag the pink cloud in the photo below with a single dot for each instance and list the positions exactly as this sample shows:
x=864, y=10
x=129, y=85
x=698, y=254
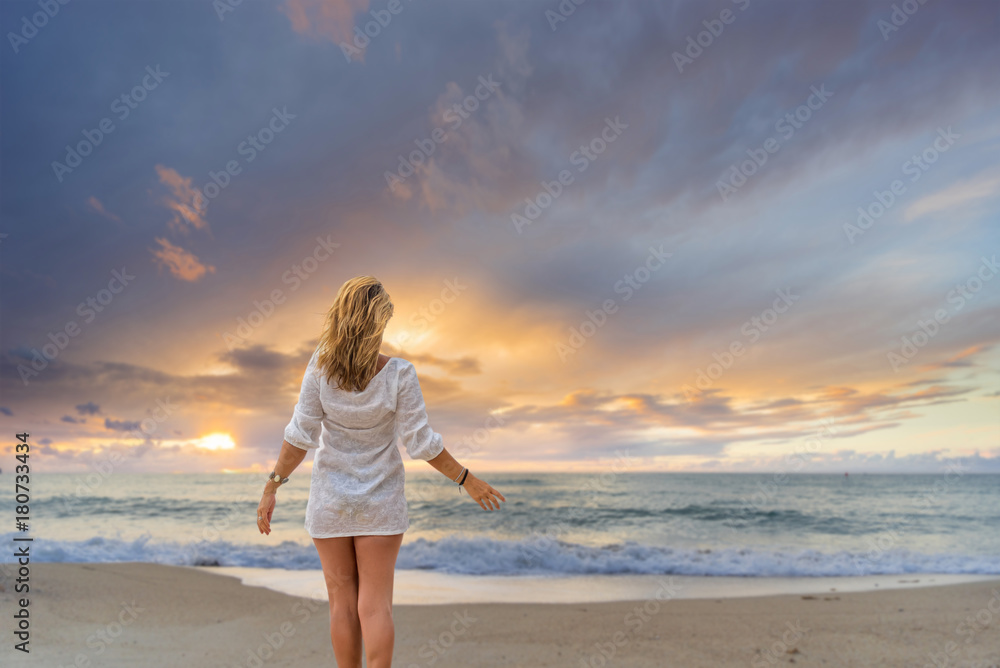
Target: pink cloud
x=331, y=19
x=184, y=200
x=181, y=263
x=96, y=206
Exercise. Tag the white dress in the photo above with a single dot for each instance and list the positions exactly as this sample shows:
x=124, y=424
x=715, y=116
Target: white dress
x=357, y=476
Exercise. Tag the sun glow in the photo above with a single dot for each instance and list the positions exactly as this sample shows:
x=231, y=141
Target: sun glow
x=215, y=441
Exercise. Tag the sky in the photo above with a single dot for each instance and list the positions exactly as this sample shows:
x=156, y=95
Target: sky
x=674, y=236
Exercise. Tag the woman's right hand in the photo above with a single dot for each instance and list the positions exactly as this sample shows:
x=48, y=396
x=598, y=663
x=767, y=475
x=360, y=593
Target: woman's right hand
x=264, y=511
x=482, y=493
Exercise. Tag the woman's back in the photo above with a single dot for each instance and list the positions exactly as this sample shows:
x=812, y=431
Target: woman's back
x=357, y=414
x=357, y=484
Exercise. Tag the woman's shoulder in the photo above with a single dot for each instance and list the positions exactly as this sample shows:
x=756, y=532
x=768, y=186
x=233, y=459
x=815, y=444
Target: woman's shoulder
x=401, y=364
x=399, y=368
x=403, y=368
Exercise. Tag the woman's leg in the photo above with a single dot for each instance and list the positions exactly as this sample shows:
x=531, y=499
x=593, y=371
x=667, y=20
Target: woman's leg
x=376, y=567
x=340, y=571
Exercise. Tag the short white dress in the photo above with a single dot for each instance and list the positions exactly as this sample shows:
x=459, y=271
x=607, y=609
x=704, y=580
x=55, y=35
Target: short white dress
x=357, y=476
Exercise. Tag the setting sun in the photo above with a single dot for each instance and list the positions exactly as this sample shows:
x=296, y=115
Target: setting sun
x=216, y=441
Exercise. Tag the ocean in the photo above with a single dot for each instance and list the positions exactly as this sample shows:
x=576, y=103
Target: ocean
x=553, y=524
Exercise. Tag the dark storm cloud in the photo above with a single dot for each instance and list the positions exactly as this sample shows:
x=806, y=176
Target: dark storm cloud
x=89, y=408
x=120, y=425
x=654, y=185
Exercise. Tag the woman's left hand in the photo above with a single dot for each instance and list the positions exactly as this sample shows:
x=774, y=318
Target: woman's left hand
x=264, y=510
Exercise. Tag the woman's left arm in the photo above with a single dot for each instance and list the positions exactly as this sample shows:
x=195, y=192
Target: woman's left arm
x=302, y=434
x=289, y=459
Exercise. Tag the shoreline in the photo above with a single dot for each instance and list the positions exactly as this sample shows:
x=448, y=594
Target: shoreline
x=151, y=615
x=417, y=587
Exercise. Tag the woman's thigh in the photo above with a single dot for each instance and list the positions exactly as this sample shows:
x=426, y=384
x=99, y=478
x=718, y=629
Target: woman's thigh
x=376, y=559
x=340, y=568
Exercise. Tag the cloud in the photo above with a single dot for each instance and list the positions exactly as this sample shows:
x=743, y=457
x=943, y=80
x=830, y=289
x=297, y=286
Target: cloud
x=956, y=196
x=134, y=388
x=463, y=366
x=96, y=206
x=714, y=418
x=89, y=408
x=6, y=411
x=71, y=419
x=851, y=461
x=120, y=425
x=181, y=263
x=493, y=348
x=184, y=200
x=330, y=19
x=963, y=358
x=257, y=358
x=484, y=138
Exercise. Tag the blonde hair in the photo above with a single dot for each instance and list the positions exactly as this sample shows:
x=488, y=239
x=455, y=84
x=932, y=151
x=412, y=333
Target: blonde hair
x=352, y=336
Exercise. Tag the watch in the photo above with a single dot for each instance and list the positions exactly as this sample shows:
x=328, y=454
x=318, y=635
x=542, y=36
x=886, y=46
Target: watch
x=274, y=477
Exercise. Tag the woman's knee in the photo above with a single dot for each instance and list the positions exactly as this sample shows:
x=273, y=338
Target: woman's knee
x=344, y=616
x=341, y=580
x=344, y=608
x=371, y=608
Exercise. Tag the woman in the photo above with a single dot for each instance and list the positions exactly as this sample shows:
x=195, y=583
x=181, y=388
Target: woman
x=356, y=513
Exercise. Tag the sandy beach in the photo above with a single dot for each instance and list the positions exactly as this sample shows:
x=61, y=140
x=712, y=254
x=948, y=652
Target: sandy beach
x=136, y=614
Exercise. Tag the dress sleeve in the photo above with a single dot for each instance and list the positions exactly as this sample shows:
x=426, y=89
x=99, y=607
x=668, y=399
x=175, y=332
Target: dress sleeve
x=420, y=441
x=306, y=425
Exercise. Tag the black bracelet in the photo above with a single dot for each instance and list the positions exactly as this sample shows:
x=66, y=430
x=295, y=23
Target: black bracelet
x=464, y=476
